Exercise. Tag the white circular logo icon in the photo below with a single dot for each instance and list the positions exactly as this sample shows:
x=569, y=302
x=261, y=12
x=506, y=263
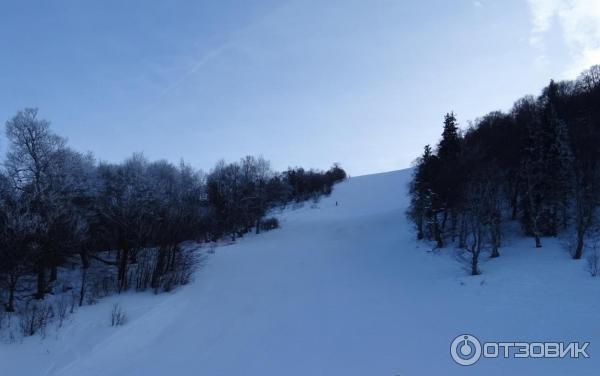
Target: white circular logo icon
x=465, y=349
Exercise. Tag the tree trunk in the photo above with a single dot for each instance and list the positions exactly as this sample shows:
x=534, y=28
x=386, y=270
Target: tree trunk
x=83, y=285
x=53, y=273
x=536, y=233
x=133, y=256
x=462, y=237
x=122, y=273
x=159, y=268
x=85, y=260
x=495, y=239
x=173, y=253
x=579, y=248
x=476, y=250
x=474, y=263
x=419, y=222
x=41, y=282
x=438, y=238
x=10, y=306
x=495, y=252
x=444, y=220
x=437, y=232
x=453, y=227
x=257, y=226
x=85, y=264
x=514, y=204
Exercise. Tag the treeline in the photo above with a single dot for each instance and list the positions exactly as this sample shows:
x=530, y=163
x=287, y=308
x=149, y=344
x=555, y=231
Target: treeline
x=240, y=193
x=538, y=164
x=61, y=209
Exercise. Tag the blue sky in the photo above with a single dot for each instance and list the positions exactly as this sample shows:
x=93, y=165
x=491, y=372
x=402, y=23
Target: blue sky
x=301, y=82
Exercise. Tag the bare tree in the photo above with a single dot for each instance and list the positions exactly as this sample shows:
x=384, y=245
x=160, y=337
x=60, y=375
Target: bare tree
x=589, y=79
x=30, y=162
x=482, y=216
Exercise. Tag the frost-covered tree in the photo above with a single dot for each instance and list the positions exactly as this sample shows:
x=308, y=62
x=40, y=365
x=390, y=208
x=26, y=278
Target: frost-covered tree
x=178, y=214
x=59, y=207
x=238, y=193
x=19, y=229
x=126, y=206
x=33, y=162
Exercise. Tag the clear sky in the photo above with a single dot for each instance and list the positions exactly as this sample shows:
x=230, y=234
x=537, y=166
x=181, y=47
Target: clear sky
x=301, y=82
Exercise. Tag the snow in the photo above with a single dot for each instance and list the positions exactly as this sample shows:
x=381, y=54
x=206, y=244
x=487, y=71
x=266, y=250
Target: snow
x=338, y=290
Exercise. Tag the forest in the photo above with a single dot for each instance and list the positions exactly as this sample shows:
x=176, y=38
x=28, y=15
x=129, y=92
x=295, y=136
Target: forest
x=537, y=165
x=110, y=227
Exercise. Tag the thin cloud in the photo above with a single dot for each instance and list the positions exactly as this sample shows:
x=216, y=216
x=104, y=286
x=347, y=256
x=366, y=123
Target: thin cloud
x=210, y=56
x=202, y=61
x=579, y=22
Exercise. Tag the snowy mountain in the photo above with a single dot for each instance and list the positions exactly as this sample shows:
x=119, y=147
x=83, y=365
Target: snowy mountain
x=341, y=289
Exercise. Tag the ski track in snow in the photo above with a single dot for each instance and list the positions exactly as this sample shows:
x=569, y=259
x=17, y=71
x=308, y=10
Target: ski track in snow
x=338, y=290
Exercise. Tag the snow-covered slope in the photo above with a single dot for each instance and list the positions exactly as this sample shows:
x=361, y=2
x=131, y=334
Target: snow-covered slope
x=338, y=290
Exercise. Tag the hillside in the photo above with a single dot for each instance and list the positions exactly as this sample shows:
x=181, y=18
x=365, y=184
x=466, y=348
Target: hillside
x=341, y=289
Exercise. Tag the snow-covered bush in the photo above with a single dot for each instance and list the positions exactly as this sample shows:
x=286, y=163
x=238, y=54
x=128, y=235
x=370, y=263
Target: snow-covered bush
x=593, y=261
x=35, y=319
x=162, y=269
x=117, y=316
x=61, y=309
x=4, y=317
x=269, y=224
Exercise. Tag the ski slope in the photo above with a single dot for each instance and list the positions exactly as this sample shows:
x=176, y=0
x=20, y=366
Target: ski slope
x=338, y=290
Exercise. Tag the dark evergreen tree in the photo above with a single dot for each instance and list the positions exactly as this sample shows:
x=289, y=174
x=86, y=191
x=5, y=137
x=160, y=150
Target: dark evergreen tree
x=556, y=162
x=541, y=159
x=448, y=184
x=421, y=192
